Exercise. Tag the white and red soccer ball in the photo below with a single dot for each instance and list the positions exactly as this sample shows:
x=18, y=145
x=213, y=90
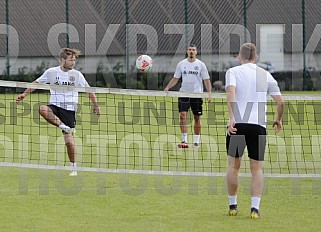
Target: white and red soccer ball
x=144, y=63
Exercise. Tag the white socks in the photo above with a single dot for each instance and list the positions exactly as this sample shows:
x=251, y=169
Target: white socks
x=73, y=171
x=73, y=165
x=197, y=138
x=255, y=202
x=232, y=200
x=184, y=137
x=64, y=127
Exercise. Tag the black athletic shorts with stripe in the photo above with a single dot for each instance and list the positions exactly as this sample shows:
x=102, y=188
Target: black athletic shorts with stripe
x=68, y=117
x=247, y=135
x=184, y=103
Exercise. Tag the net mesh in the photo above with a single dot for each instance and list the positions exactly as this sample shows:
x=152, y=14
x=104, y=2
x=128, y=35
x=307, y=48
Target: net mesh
x=138, y=131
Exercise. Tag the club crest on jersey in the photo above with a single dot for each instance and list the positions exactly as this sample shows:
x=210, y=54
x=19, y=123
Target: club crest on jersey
x=72, y=78
x=196, y=68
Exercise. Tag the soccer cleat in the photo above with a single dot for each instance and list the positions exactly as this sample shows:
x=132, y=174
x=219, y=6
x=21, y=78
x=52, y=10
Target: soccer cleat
x=183, y=145
x=255, y=214
x=233, y=210
x=73, y=173
x=196, y=144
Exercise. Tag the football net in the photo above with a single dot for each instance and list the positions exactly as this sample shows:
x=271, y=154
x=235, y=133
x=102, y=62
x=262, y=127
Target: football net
x=138, y=132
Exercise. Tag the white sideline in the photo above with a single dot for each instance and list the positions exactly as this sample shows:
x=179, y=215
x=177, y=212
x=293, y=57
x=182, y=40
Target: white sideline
x=146, y=172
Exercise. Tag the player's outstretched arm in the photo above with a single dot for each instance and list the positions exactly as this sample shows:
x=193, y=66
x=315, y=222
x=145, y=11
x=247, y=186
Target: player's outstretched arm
x=20, y=97
x=93, y=99
x=171, y=84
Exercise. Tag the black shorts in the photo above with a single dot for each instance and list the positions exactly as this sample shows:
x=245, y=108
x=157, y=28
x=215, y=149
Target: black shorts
x=250, y=135
x=68, y=117
x=184, y=103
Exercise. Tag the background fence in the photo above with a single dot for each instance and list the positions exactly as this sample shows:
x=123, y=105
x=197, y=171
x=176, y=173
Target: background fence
x=111, y=34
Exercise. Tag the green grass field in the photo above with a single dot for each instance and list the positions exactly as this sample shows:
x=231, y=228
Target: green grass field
x=49, y=200
x=37, y=200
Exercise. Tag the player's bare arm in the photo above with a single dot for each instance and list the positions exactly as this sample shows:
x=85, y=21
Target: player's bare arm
x=230, y=98
x=277, y=124
x=171, y=84
x=22, y=96
x=208, y=87
x=93, y=99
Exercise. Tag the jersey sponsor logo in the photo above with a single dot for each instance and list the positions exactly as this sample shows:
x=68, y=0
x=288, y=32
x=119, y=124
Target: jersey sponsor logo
x=193, y=72
x=71, y=83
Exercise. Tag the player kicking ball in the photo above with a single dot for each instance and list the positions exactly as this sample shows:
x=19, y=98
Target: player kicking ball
x=62, y=107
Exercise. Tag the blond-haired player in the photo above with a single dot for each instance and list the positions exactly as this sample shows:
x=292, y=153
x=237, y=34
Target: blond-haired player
x=62, y=107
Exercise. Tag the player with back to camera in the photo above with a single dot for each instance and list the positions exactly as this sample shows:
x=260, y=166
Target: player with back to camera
x=193, y=73
x=247, y=86
x=62, y=107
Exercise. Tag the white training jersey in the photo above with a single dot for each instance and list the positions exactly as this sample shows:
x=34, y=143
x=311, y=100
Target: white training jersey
x=192, y=74
x=252, y=86
x=66, y=99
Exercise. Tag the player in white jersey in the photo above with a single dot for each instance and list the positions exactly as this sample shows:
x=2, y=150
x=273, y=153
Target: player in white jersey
x=247, y=86
x=62, y=107
x=193, y=73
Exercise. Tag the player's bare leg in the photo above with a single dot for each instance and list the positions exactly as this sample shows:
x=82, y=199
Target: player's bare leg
x=232, y=176
x=47, y=113
x=232, y=181
x=257, y=177
x=49, y=116
x=197, y=129
x=72, y=152
x=256, y=186
x=182, y=123
x=197, y=125
x=71, y=147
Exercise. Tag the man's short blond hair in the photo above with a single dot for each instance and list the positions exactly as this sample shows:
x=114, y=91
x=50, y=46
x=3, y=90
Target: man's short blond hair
x=248, y=52
x=65, y=52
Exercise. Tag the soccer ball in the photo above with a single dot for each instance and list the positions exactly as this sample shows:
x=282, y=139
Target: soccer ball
x=144, y=63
